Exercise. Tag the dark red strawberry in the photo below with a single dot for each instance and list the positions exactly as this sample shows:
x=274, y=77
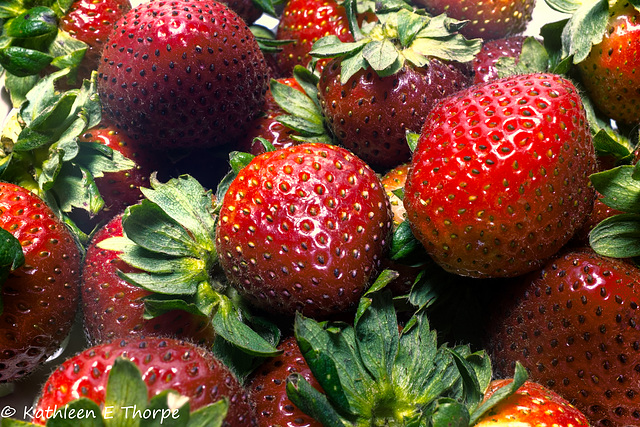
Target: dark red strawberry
x=574, y=325
x=39, y=299
x=182, y=73
x=303, y=229
x=499, y=181
x=268, y=388
x=165, y=364
x=113, y=308
x=484, y=64
x=491, y=19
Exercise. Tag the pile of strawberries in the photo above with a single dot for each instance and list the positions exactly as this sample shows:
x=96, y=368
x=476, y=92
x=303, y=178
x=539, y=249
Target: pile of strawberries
x=398, y=213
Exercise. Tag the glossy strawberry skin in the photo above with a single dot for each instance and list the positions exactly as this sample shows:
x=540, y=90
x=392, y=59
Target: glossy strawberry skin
x=40, y=298
x=492, y=19
x=304, y=228
x=574, y=326
x=182, y=74
x=531, y=405
x=113, y=308
x=370, y=114
x=499, y=181
x=484, y=64
x=268, y=388
x=609, y=72
x=165, y=364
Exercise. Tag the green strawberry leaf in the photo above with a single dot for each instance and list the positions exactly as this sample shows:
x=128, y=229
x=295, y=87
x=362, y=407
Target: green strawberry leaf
x=18, y=87
x=607, y=142
x=412, y=140
x=67, y=51
x=380, y=54
x=564, y=6
x=312, y=402
x=296, y=103
x=75, y=187
x=403, y=242
x=619, y=188
x=212, y=415
x=585, y=29
x=43, y=95
x=617, y=236
x=11, y=258
x=23, y=62
x=331, y=47
x=11, y=8
x=125, y=387
x=472, y=393
x=37, y=21
x=448, y=412
x=533, y=59
x=168, y=409
x=78, y=413
x=350, y=65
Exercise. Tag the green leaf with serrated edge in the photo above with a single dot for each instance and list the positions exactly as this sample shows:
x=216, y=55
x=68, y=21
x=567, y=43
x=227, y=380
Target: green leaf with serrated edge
x=187, y=203
x=125, y=387
x=533, y=59
x=75, y=187
x=312, y=402
x=11, y=8
x=148, y=225
x=18, y=87
x=154, y=307
x=472, y=393
x=380, y=54
x=387, y=276
x=449, y=413
x=296, y=103
x=78, y=413
x=11, y=257
x=308, y=81
x=332, y=47
x=157, y=262
x=23, y=62
x=43, y=95
x=349, y=66
x=67, y=52
x=480, y=362
x=519, y=378
x=99, y=159
x=564, y=6
x=37, y=21
x=228, y=324
x=239, y=160
x=431, y=282
x=88, y=102
x=212, y=415
x=608, y=142
x=551, y=33
x=300, y=125
x=409, y=24
x=45, y=128
x=619, y=189
x=451, y=48
x=585, y=29
x=376, y=329
x=176, y=283
x=617, y=236
x=165, y=409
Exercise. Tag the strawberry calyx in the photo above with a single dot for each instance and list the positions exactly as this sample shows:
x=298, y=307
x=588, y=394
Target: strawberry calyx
x=170, y=236
x=400, y=34
x=11, y=258
x=391, y=378
x=127, y=403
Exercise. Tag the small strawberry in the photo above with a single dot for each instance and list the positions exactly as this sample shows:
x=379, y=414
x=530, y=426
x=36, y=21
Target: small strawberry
x=268, y=388
x=165, y=364
x=531, y=405
x=113, y=308
x=573, y=325
x=499, y=180
x=484, y=64
x=392, y=182
x=492, y=19
x=182, y=73
x=38, y=300
x=303, y=228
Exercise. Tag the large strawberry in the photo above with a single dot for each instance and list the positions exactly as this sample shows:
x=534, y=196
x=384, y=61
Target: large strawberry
x=165, y=364
x=303, y=228
x=499, y=180
x=182, y=73
x=574, y=326
x=38, y=300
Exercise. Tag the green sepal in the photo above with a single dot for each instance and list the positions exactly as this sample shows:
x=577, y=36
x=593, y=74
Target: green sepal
x=212, y=415
x=67, y=51
x=36, y=22
x=387, y=276
x=533, y=59
x=472, y=392
x=448, y=412
x=564, y=6
x=585, y=29
x=125, y=387
x=412, y=140
x=238, y=160
x=11, y=8
x=617, y=236
x=82, y=405
x=164, y=403
x=403, y=242
x=619, y=188
x=11, y=258
x=312, y=402
x=610, y=143
x=22, y=62
x=18, y=87
x=331, y=46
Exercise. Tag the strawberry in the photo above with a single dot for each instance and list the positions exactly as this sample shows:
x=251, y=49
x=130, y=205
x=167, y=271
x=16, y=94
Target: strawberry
x=573, y=326
x=392, y=182
x=113, y=308
x=531, y=405
x=484, y=64
x=268, y=388
x=39, y=299
x=165, y=364
x=499, y=181
x=303, y=228
x=182, y=73
x=492, y=19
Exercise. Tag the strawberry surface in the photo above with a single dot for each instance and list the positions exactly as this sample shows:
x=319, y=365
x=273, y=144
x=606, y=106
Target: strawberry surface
x=499, y=181
x=40, y=298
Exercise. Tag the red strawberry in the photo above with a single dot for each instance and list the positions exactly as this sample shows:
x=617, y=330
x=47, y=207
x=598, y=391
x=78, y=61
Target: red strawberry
x=113, y=308
x=609, y=73
x=574, y=325
x=165, y=364
x=491, y=19
x=268, y=388
x=182, y=73
x=531, y=405
x=303, y=228
x=499, y=181
x=39, y=299
x=484, y=64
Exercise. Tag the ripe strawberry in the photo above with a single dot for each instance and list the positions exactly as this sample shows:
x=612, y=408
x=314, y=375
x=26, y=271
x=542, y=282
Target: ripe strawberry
x=393, y=181
x=113, y=308
x=484, y=64
x=499, y=180
x=268, y=388
x=573, y=325
x=608, y=72
x=303, y=229
x=182, y=73
x=39, y=299
x=165, y=364
x=487, y=19
x=531, y=405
